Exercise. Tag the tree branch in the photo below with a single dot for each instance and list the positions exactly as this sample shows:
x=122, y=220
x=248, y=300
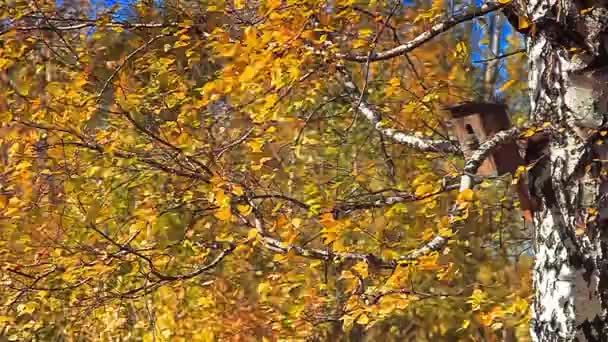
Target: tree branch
x=466, y=182
x=278, y=246
x=420, y=144
x=508, y=54
x=124, y=62
x=88, y=24
x=155, y=271
x=437, y=243
x=344, y=209
x=434, y=31
x=94, y=146
x=373, y=299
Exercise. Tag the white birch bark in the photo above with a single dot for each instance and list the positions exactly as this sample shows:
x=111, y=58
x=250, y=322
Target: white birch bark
x=491, y=68
x=567, y=53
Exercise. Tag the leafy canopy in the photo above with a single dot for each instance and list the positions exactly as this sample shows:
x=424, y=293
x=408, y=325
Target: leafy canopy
x=201, y=170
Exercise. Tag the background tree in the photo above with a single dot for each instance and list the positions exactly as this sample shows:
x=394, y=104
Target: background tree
x=286, y=170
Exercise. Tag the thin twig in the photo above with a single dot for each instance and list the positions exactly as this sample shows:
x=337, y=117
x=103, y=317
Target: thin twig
x=126, y=60
x=366, y=68
x=508, y=54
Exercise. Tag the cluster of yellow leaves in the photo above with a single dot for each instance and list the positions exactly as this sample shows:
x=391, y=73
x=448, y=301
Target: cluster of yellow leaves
x=278, y=132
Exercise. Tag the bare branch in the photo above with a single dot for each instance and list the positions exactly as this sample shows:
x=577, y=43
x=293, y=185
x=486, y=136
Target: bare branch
x=278, y=246
x=373, y=299
x=379, y=201
x=85, y=25
x=424, y=37
x=344, y=209
x=508, y=54
x=235, y=142
x=418, y=143
x=125, y=61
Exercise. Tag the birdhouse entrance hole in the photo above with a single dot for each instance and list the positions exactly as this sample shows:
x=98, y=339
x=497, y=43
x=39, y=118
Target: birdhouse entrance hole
x=476, y=122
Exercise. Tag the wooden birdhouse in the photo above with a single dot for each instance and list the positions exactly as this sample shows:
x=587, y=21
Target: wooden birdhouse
x=475, y=122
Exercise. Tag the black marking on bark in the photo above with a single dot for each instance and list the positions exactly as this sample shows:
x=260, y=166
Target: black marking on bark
x=593, y=330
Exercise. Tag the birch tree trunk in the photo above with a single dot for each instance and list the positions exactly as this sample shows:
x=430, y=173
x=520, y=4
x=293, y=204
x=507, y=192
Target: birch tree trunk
x=567, y=48
x=491, y=67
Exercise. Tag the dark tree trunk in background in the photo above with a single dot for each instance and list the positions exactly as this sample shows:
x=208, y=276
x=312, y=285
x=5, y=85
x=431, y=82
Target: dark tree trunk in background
x=567, y=50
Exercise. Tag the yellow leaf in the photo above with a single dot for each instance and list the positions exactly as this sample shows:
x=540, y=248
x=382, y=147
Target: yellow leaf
x=92, y=212
x=244, y=209
x=361, y=178
x=252, y=233
x=273, y=3
x=507, y=85
x=465, y=324
x=477, y=299
x=364, y=33
x=424, y=190
x=256, y=145
x=217, y=181
x=461, y=47
x=357, y=43
x=521, y=170
x=296, y=222
x=264, y=289
x=239, y=4
x=338, y=246
x=248, y=74
x=221, y=198
x=361, y=267
x=528, y=133
x=586, y=10
x=237, y=190
x=27, y=308
x=328, y=221
x=363, y=319
x=23, y=165
x=466, y=195
x=446, y=232
x=183, y=41
x=524, y=22
x=223, y=214
x=257, y=167
x=429, y=262
x=280, y=258
x=6, y=319
x=394, y=82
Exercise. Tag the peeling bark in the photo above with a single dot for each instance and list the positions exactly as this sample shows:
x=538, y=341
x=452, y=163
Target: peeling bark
x=567, y=49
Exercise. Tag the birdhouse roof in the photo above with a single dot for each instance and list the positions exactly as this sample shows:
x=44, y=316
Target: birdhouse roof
x=471, y=108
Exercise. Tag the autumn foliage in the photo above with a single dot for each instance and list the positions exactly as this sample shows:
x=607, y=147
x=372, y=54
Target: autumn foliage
x=210, y=170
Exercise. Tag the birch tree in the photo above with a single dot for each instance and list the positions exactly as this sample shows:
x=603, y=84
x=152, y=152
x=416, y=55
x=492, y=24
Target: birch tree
x=567, y=49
